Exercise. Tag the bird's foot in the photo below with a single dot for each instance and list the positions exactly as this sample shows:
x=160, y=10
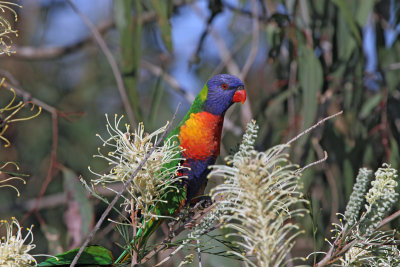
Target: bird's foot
x=202, y=202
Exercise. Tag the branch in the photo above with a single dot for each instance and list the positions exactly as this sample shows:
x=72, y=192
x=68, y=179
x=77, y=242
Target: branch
x=115, y=199
x=314, y=163
x=313, y=127
x=388, y=219
x=54, y=200
x=24, y=94
x=54, y=52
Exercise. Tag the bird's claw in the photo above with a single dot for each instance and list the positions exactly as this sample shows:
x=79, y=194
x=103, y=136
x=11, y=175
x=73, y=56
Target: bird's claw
x=203, y=202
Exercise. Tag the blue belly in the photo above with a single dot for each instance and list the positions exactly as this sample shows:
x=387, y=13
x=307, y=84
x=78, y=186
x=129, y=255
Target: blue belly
x=197, y=176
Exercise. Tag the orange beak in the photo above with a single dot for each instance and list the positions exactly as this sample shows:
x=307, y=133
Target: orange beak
x=239, y=96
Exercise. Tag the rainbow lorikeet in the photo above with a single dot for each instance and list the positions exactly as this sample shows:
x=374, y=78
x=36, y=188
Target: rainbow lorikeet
x=199, y=137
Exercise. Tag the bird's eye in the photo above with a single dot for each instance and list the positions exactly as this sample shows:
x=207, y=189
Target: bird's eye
x=224, y=86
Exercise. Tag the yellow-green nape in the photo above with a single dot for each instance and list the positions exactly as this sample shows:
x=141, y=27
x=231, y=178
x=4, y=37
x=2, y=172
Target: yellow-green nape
x=203, y=93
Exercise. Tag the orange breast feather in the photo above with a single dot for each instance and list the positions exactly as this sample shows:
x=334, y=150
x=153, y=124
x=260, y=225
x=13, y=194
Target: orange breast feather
x=200, y=136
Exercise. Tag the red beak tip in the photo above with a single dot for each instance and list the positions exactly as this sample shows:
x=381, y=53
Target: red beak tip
x=239, y=96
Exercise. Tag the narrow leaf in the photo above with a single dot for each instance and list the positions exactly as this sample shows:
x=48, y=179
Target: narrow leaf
x=129, y=26
x=311, y=80
x=344, y=8
x=92, y=255
x=369, y=105
x=161, y=9
x=79, y=214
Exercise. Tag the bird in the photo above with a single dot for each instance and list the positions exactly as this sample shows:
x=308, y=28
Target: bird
x=198, y=136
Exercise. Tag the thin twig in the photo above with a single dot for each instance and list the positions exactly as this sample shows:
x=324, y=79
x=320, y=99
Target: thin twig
x=388, y=219
x=313, y=127
x=308, y=130
x=53, y=158
x=237, y=46
x=134, y=226
x=254, y=42
x=314, y=163
x=111, y=60
x=244, y=12
x=199, y=252
x=169, y=256
x=292, y=87
x=331, y=181
x=55, y=200
x=158, y=71
x=24, y=94
x=126, y=184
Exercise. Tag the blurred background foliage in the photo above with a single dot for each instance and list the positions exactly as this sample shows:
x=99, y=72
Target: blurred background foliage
x=301, y=60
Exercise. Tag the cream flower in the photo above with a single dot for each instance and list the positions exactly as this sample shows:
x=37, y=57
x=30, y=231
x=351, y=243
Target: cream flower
x=14, y=247
x=6, y=28
x=258, y=201
x=127, y=150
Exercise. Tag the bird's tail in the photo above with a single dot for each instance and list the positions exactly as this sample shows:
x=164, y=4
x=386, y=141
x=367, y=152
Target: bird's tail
x=175, y=200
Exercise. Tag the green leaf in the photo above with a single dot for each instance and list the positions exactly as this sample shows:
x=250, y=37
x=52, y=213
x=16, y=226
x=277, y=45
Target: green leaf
x=395, y=6
x=78, y=194
x=12, y=173
x=369, y=156
x=345, y=43
x=363, y=11
x=319, y=6
x=311, y=81
x=157, y=97
x=369, y=105
x=348, y=173
x=91, y=256
x=278, y=101
x=162, y=11
x=394, y=154
x=346, y=11
x=130, y=29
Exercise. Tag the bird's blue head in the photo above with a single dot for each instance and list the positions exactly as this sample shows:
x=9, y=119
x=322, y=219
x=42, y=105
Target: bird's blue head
x=223, y=91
